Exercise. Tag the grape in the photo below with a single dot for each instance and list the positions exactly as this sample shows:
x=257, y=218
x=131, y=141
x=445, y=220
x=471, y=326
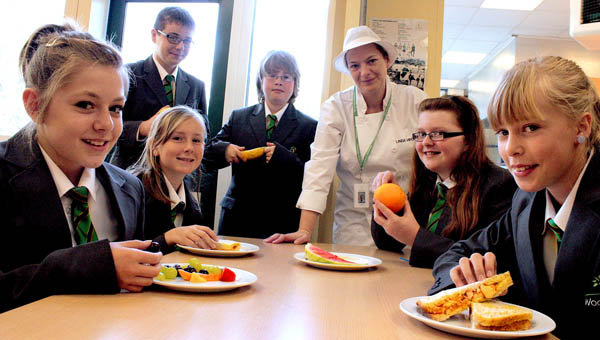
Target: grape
x=161, y=276
x=194, y=262
x=170, y=273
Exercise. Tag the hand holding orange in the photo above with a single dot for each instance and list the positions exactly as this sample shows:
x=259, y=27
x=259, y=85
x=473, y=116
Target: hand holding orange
x=391, y=195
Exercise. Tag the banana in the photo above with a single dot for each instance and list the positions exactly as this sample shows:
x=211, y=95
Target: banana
x=253, y=153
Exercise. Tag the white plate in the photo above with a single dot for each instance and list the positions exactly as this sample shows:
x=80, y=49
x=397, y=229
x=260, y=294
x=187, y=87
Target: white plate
x=242, y=278
x=245, y=249
x=362, y=261
x=461, y=325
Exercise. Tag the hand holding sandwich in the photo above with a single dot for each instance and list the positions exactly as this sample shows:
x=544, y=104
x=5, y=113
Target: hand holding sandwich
x=474, y=268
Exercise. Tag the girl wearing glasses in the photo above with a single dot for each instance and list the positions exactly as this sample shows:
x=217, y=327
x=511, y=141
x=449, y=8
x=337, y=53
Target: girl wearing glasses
x=455, y=189
x=546, y=114
x=362, y=131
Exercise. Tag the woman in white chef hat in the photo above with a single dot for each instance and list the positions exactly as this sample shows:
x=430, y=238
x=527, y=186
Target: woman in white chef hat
x=362, y=131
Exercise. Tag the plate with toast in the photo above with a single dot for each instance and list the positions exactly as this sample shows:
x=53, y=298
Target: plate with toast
x=473, y=310
x=225, y=248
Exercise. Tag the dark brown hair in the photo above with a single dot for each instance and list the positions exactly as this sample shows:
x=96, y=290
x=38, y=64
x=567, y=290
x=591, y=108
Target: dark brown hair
x=463, y=199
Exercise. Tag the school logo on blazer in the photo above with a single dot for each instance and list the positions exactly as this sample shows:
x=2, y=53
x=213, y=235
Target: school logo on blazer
x=592, y=299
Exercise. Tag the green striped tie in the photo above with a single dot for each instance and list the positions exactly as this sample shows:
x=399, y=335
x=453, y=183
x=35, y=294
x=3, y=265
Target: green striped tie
x=437, y=210
x=169, y=88
x=271, y=123
x=178, y=208
x=80, y=215
x=557, y=232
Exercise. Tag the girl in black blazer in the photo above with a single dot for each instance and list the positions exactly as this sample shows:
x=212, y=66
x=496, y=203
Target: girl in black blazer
x=546, y=113
x=174, y=148
x=450, y=151
x=52, y=243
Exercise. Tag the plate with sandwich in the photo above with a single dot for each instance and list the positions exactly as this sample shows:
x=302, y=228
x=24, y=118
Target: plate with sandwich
x=472, y=310
x=225, y=248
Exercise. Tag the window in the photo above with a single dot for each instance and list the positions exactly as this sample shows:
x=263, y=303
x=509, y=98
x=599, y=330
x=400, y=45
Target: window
x=13, y=116
x=300, y=28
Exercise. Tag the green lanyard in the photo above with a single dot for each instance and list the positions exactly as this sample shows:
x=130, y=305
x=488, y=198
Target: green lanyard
x=361, y=160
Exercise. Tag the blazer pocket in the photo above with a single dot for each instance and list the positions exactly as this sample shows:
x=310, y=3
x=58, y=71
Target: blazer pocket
x=228, y=202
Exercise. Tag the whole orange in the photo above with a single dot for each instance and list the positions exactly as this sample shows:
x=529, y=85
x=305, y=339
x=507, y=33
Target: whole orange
x=391, y=195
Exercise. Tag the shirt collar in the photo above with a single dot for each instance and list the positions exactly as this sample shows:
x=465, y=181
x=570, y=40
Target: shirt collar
x=448, y=182
x=162, y=72
x=278, y=113
x=63, y=183
x=561, y=218
x=174, y=196
x=361, y=104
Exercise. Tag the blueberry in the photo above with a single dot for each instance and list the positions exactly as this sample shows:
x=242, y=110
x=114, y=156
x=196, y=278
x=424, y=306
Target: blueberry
x=203, y=271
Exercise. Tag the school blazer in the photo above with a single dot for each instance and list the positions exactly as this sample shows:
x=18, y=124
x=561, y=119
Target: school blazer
x=158, y=218
x=573, y=298
x=495, y=198
x=145, y=97
x=262, y=197
x=36, y=257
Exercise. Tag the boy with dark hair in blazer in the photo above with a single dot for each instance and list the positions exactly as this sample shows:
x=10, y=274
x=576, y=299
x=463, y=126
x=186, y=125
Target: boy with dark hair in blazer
x=261, y=199
x=158, y=81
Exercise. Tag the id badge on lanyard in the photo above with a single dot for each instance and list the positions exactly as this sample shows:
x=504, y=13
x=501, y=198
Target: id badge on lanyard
x=361, y=190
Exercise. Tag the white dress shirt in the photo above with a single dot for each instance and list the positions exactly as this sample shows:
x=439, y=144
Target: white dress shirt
x=104, y=220
x=176, y=197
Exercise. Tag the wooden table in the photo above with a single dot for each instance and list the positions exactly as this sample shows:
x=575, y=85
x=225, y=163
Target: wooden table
x=290, y=300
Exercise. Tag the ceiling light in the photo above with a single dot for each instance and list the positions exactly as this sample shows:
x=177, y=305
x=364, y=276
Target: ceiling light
x=468, y=58
x=519, y=5
x=448, y=84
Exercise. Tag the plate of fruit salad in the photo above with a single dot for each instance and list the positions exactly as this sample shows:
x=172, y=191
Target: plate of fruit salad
x=197, y=277
x=225, y=248
x=317, y=257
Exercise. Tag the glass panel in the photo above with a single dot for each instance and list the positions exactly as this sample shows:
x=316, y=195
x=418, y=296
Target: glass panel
x=137, y=39
x=13, y=116
x=300, y=28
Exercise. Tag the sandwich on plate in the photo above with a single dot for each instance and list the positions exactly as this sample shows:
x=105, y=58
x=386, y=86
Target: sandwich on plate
x=498, y=316
x=447, y=303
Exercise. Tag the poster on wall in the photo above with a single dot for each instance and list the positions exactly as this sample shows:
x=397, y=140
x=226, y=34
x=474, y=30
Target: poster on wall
x=409, y=36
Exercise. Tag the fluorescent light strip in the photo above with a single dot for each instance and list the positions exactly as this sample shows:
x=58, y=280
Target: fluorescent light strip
x=467, y=58
x=518, y=5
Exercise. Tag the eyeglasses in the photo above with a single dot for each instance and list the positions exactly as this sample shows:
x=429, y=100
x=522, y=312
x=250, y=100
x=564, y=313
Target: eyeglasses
x=286, y=78
x=174, y=39
x=435, y=135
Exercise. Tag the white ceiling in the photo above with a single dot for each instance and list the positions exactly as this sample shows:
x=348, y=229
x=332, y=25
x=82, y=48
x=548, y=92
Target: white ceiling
x=469, y=28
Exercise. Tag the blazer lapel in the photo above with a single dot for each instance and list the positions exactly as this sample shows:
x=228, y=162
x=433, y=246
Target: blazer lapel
x=287, y=125
x=122, y=201
x=259, y=124
x=182, y=88
x=153, y=81
x=583, y=228
x=529, y=248
x=39, y=194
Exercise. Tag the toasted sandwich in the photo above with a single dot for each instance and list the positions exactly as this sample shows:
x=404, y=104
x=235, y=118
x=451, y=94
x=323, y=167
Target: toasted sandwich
x=447, y=303
x=498, y=316
x=228, y=246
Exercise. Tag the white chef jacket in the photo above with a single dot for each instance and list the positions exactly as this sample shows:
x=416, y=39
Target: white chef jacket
x=334, y=149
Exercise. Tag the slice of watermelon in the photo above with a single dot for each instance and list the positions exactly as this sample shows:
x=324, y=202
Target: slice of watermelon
x=316, y=254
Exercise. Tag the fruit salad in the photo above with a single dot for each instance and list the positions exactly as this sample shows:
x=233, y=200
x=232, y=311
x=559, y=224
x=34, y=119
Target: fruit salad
x=196, y=272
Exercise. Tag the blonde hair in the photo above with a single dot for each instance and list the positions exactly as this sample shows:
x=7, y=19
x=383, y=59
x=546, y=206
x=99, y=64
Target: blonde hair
x=161, y=131
x=554, y=81
x=56, y=57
